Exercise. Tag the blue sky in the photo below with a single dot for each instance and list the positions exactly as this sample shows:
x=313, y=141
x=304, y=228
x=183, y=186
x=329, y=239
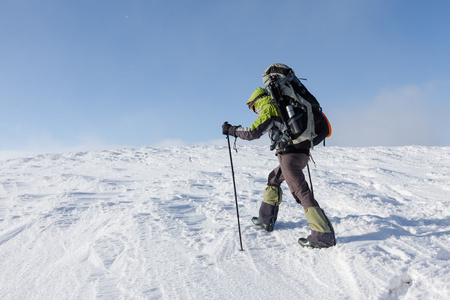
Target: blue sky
x=92, y=74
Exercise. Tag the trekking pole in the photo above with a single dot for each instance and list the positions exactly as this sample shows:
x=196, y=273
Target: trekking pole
x=310, y=181
x=235, y=194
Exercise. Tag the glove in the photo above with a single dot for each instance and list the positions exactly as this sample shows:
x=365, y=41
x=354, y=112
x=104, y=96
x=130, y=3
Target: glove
x=227, y=129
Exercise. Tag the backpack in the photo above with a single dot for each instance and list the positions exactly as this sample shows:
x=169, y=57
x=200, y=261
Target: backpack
x=305, y=123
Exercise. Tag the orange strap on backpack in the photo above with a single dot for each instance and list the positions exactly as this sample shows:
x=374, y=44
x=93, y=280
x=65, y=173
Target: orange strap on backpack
x=329, y=125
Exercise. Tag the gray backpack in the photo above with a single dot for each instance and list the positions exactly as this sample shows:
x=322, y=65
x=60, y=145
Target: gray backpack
x=305, y=123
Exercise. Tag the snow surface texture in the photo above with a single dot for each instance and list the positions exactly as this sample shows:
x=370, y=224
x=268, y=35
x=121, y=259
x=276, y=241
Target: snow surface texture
x=160, y=223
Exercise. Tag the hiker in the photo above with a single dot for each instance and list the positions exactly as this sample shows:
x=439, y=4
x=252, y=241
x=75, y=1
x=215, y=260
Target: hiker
x=292, y=161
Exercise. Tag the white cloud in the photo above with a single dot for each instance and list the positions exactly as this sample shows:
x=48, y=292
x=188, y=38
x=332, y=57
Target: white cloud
x=402, y=116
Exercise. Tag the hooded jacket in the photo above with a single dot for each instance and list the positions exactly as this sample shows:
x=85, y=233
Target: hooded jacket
x=268, y=120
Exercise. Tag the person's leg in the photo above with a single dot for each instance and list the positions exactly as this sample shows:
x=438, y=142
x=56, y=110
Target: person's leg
x=272, y=198
x=292, y=165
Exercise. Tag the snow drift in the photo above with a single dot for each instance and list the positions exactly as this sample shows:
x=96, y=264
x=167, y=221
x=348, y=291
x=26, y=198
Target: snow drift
x=160, y=223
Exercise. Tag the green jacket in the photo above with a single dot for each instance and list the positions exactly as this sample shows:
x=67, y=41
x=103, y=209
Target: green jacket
x=268, y=119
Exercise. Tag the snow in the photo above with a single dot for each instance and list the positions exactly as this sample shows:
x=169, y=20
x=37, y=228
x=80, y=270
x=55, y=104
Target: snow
x=160, y=223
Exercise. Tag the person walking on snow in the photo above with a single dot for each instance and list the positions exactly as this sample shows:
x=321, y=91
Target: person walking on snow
x=292, y=161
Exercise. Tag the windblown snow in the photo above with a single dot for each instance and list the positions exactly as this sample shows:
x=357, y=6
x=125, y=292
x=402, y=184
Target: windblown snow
x=161, y=223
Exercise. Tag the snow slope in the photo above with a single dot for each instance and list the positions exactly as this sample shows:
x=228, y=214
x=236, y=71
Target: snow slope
x=160, y=223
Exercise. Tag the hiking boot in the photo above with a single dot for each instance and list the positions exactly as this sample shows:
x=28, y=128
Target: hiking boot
x=305, y=243
x=257, y=222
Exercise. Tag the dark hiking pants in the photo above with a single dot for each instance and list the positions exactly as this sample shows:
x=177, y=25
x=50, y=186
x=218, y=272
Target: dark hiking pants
x=291, y=166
